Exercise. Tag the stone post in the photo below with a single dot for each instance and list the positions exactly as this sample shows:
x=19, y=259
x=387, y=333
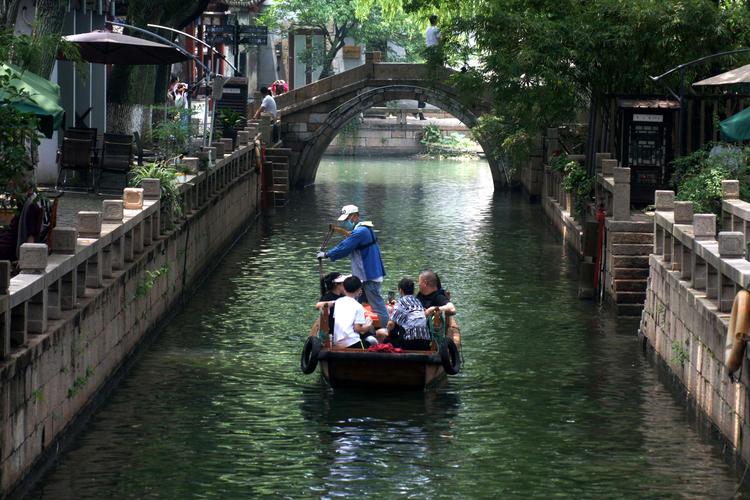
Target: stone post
x=112, y=211
x=730, y=190
x=664, y=201
x=265, y=128
x=731, y=244
x=704, y=226
x=151, y=189
x=132, y=198
x=89, y=224
x=63, y=240
x=192, y=163
x=608, y=167
x=621, y=201
x=683, y=212
x=599, y=158
x=32, y=257
x=373, y=57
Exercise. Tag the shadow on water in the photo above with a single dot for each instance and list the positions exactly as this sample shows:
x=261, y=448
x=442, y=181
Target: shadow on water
x=555, y=398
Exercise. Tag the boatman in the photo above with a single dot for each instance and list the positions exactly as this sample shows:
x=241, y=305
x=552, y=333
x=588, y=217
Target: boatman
x=367, y=265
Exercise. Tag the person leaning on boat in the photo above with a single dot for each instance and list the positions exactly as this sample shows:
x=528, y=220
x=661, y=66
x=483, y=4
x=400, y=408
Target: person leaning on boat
x=367, y=264
x=407, y=327
x=432, y=296
x=349, y=318
x=332, y=288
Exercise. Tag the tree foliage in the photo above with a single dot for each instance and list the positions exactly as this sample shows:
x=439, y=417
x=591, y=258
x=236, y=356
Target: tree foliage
x=337, y=20
x=546, y=59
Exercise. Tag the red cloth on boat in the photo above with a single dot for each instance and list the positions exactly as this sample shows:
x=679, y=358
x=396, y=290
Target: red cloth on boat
x=384, y=348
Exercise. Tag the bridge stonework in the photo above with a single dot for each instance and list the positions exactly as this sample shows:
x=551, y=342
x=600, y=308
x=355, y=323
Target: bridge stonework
x=312, y=115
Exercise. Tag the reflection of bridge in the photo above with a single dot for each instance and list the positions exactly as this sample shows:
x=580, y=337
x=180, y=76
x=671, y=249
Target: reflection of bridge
x=312, y=115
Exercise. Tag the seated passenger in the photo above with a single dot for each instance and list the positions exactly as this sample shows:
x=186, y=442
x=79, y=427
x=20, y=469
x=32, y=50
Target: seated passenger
x=26, y=225
x=332, y=286
x=407, y=327
x=432, y=296
x=350, y=327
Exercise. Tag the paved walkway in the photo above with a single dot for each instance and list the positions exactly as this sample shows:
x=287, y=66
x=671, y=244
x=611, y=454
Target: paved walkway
x=72, y=203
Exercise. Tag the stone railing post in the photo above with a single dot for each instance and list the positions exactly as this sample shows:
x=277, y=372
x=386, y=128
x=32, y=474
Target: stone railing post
x=730, y=189
x=683, y=212
x=704, y=226
x=32, y=258
x=4, y=309
x=373, y=57
x=265, y=128
x=608, y=167
x=621, y=195
x=731, y=246
x=599, y=158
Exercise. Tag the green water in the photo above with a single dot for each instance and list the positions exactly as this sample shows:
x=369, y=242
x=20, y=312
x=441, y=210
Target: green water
x=555, y=399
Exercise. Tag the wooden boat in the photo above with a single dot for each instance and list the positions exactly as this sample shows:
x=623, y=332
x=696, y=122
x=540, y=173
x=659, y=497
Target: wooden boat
x=342, y=367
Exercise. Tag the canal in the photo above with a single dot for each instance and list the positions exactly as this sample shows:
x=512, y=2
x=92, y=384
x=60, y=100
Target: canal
x=556, y=397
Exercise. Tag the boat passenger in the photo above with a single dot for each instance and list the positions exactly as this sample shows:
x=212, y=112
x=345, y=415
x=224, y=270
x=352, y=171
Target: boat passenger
x=407, y=327
x=332, y=286
x=350, y=326
x=367, y=264
x=432, y=296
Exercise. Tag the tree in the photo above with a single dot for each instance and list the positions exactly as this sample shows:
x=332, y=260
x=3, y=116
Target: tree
x=545, y=60
x=337, y=20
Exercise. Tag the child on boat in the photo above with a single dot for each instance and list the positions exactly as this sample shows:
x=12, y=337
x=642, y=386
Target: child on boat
x=351, y=328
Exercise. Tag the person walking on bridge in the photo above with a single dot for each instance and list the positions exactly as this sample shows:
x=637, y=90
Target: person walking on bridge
x=367, y=264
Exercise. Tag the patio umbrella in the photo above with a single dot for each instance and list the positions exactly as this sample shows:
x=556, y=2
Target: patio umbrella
x=40, y=97
x=737, y=75
x=736, y=127
x=106, y=47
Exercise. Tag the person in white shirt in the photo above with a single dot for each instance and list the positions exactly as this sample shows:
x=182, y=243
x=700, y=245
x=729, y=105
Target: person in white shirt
x=267, y=105
x=349, y=319
x=432, y=35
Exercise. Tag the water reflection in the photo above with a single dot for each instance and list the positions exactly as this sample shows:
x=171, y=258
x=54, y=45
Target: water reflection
x=555, y=399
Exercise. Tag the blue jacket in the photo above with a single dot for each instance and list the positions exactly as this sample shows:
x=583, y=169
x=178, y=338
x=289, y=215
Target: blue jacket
x=367, y=264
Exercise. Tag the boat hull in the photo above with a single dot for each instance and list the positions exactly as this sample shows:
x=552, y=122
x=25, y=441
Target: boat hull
x=407, y=370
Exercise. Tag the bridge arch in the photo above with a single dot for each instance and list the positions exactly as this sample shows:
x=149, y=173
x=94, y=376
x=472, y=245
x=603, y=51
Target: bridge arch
x=313, y=115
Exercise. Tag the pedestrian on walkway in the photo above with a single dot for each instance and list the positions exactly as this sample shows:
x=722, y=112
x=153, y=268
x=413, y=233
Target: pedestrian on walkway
x=367, y=264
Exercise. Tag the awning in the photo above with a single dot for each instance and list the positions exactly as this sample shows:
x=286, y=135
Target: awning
x=737, y=75
x=736, y=127
x=42, y=97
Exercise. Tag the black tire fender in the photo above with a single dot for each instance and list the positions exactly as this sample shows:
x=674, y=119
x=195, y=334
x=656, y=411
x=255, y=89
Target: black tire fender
x=309, y=359
x=450, y=357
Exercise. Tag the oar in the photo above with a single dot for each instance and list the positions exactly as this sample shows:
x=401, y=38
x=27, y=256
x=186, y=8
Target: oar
x=320, y=261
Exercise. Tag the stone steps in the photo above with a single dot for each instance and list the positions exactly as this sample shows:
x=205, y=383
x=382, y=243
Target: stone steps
x=625, y=285
x=630, y=298
x=629, y=309
x=630, y=261
x=626, y=273
x=631, y=238
x=622, y=249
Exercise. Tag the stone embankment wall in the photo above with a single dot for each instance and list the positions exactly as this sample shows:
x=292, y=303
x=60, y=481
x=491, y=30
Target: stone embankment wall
x=70, y=319
x=694, y=276
x=386, y=137
x=626, y=236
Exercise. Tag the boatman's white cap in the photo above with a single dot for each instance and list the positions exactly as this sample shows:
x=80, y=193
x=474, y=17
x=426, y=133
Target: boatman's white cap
x=347, y=210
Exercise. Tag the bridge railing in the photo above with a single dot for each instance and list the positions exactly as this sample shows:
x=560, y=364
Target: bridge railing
x=714, y=264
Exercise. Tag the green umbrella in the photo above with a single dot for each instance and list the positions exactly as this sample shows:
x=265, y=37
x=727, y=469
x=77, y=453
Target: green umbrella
x=41, y=97
x=736, y=127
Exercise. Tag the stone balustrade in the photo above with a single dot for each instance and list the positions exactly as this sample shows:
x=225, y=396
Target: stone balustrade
x=715, y=264
x=52, y=279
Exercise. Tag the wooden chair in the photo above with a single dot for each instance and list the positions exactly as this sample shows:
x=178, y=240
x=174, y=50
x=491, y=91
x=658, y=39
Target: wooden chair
x=76, y=156
x=116, y=159
x=140, y=153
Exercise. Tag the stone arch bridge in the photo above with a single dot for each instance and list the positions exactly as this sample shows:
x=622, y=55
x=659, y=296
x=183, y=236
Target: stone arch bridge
x=312, y=115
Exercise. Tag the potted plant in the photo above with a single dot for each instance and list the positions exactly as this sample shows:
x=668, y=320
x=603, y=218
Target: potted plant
x=230, y=122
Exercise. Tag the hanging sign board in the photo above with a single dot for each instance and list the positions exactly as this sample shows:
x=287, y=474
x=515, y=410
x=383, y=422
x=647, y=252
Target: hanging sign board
x=639, y=117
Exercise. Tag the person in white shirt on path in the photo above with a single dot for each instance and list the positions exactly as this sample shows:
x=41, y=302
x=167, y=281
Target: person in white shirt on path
x=432, y=39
